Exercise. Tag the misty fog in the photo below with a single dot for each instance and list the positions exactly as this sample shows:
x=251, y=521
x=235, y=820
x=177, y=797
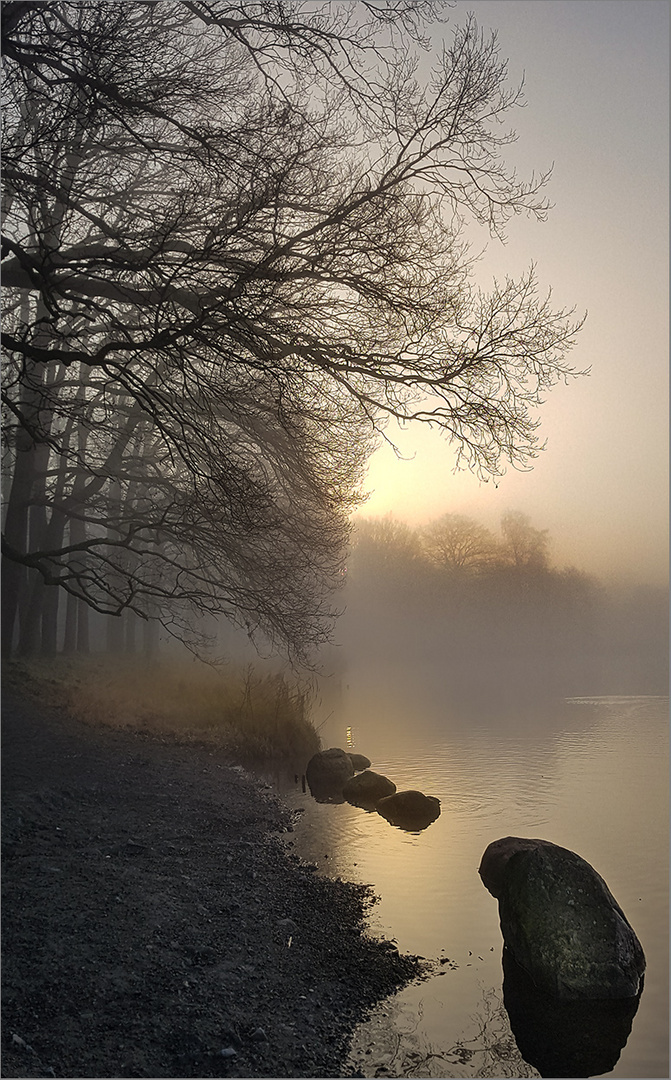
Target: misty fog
x=254, y=255
x=493, y=614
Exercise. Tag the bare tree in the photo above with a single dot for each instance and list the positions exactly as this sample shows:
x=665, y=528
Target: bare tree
x=238, y=228
x=459, y=544
x=524, y=546
x=385, y=546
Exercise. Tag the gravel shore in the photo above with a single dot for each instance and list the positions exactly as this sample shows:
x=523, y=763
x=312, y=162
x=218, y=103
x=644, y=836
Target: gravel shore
x=154, y=923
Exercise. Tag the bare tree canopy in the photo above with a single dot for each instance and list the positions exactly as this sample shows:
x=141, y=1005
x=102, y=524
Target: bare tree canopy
x=232, y=249
x=458, y=544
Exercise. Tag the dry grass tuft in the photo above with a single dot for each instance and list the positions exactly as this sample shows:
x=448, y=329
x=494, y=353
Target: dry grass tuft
x=254, y=717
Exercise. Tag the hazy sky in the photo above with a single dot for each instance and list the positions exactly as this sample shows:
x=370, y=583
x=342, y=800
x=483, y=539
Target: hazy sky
x=597, y=86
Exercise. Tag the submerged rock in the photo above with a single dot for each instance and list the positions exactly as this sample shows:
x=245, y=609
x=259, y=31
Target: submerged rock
x=367, y=788
x=560, y=921
x=409, y=810
x=326, y=773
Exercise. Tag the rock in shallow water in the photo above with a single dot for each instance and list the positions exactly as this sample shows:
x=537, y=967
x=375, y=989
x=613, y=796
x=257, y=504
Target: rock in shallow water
x=326, y=773
x=359, y=762
x=561, y=922
x=409, y=810
x=367, y=788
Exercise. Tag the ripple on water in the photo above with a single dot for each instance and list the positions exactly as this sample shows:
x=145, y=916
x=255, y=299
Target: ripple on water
x=594, y=780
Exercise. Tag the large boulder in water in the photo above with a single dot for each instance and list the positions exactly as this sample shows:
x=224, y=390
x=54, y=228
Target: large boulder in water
x=561, y=922
x=326, y=773
x=409, y=810
x=495, y=859
x=367, y=788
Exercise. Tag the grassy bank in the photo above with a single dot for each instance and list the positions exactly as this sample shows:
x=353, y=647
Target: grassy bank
x=254, y=717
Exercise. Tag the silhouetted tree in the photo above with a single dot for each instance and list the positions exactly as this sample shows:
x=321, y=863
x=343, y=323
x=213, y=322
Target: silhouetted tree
x=458, y=544
x=232, y=251
x=386, y=545
x=523, y=545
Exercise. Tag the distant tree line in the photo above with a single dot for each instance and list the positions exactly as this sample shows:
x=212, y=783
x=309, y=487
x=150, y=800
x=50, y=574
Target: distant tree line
x=493, y=612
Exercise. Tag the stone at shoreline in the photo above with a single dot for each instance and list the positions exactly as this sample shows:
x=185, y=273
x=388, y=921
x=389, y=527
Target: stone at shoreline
x=560, y=921
x=326, y=773
x=409, y=810
x=359, y=762
x=367, y=788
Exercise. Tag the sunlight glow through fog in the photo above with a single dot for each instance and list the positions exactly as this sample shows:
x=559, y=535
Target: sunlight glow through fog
x=596, y=79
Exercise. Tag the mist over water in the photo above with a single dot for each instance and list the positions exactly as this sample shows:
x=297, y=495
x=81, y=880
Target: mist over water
x=492, y=618
x=589, y=774
x=531, y=701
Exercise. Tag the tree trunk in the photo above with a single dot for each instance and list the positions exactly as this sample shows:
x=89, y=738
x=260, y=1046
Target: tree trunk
x=70, y=632
x=77, y=612
x=32, y=457
x=130, y=625
x=150, y=639
x=115, y=634
x=14, y=575
x=52, y=593
x=115, y=623
x=35, y=451
x=78, y=562
x=50, y=604
x=42, y=536
x=83, y=645
x=30, y=615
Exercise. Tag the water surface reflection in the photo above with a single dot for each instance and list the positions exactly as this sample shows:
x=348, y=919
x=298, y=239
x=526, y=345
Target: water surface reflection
x=564, y=1038
x=394, y=1043
x=590, y=775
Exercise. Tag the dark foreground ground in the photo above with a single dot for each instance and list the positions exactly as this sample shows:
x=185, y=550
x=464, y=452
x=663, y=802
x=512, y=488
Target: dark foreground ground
x=153, y=923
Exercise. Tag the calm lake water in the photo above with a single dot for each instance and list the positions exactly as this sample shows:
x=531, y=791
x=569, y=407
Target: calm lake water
x=590, y=774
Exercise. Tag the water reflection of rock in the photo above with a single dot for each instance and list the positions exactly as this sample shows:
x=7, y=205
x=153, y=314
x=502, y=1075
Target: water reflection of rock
x=409, y=810
x=564, y=1038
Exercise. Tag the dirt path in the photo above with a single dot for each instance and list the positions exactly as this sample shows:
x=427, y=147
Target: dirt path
x=154, y=925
